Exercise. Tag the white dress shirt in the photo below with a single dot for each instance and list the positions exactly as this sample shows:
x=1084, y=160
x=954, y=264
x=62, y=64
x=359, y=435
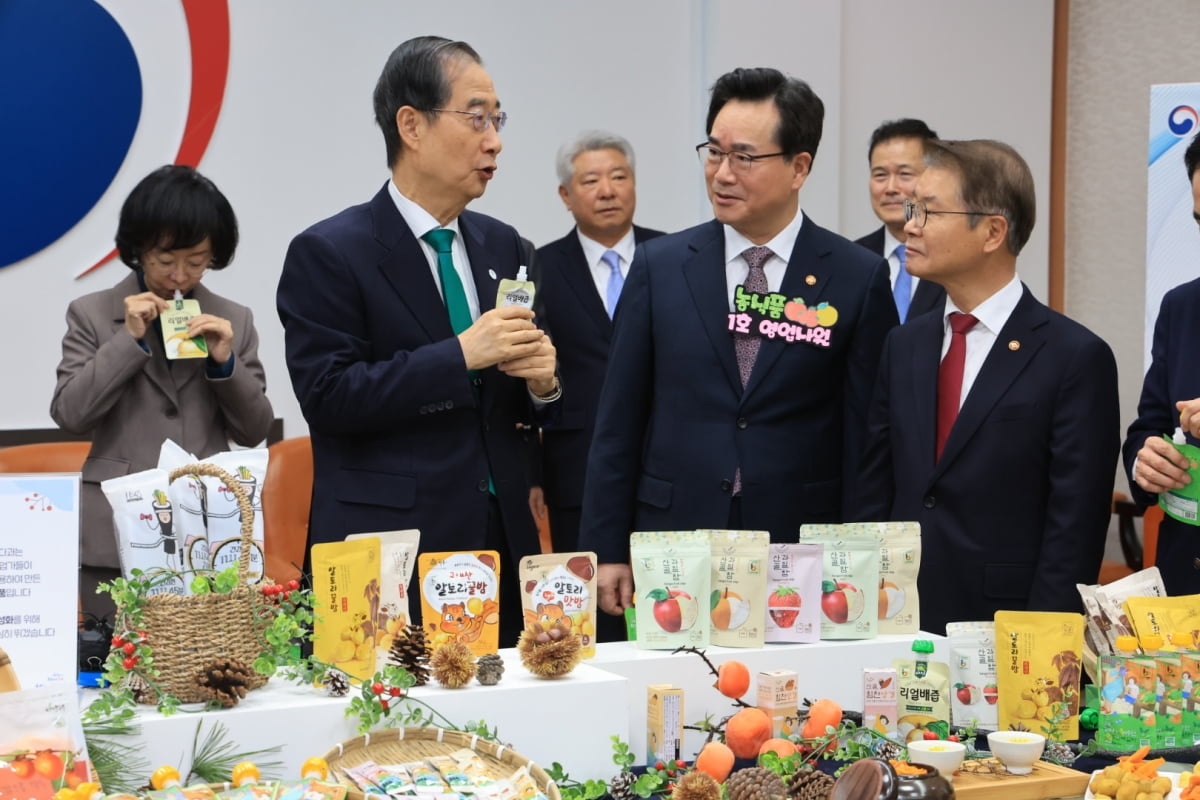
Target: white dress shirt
x=592, y=252
x=992, y=314
x=421, y=222
x=736, y=268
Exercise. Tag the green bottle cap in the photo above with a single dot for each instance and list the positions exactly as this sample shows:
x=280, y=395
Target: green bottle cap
x=922, y=646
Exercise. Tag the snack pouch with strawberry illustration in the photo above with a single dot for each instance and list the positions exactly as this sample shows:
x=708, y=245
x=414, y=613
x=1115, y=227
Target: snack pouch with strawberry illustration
x=672, y=575
x=343, y=630
x=1038, y=670
x=249, y=468
x=849, y=577
x=561, y=586
x=1183, y=504
x=973, y=673
x=460, y=599
x=794, y=592
x=738, y=601
x=389, y=598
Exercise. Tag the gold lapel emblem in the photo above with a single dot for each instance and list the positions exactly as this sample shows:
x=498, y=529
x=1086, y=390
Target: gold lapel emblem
x=1014, y=345
x=811, y=280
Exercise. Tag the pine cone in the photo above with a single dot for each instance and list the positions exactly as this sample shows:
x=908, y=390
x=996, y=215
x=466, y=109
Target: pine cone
x=411, y=652
x=337, y=683
x=453, y=664
x=1059, y=753
x=550, y=652
x=755, y=783
x=810, y=784
x=490, y=669
x=621, y=787
x=225, y=681
x=888, y=750
x=696, y=785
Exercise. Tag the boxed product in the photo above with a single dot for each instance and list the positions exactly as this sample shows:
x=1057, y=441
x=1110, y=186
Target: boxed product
x=664, y=722
x=779, y=699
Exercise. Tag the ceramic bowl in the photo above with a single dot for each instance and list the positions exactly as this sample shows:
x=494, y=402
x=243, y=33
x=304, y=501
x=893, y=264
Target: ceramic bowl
x=1017, y=750
x=945, y=757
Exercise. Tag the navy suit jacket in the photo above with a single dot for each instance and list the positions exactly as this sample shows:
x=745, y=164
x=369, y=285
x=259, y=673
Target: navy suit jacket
x=1016, y=510
x=674, y=422
x=1172, y=377
x=575, y=316
x=400, y=439
x=929, y=296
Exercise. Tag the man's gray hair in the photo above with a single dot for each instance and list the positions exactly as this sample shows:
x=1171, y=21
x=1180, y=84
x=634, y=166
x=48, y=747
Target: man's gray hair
x=585, y=142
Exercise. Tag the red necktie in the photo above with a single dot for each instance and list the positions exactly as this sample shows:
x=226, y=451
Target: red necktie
x=950, y=377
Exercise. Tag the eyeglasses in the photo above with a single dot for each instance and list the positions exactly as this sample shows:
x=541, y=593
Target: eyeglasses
x=738, y=162
x=921, y=213
x=480, y=120
x=162, y=264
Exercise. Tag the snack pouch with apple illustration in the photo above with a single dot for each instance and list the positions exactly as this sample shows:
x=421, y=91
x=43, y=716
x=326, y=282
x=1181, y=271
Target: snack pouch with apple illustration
x=460, y=599
x=923, y=696
x=1038, y=670
x=973, y=673
x=738, y=601
x=794, y=592
x=42, y=742
x=849, y=577
x=899, y=563
x=343, y=629
x=561, y=586
x=389, y=598
x=673, y=580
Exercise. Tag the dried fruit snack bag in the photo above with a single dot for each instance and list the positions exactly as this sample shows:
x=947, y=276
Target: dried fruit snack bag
x=794, y=592
x=738, y=600
x=187, y=496
x=1111, y=597
x=144, y=521
x=673, y=577
x=923, y=703
x=973, y=673
x=899, y=563
x=389, y=596
x=1038, y=669
x=460, y=599
x=341, y=572
x=561, y=586
x=850, y=575
x=249, y=468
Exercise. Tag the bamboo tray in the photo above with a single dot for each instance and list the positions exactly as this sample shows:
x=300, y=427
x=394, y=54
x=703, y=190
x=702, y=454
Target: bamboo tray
x=1047, y=781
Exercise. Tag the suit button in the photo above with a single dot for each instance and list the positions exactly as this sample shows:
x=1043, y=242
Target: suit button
x=423, y=410
x=441, y=405
x=929, y=502
x=482, y=486
x=742, y=424
x=726, y=486
x=172, y=412
x=477, y=381
x=449, y=404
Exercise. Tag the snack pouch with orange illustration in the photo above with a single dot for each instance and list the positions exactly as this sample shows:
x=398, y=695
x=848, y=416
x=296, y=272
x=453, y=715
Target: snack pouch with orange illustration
x=673, y=578
x=561, y=586
x=974, y=694
x=389, y=598
x=899, y=563
x=460, y=599
x=794, y=592
x=42, y=741
x=343, y=630
x=738, y=599
x=849, y=577
x=1038, y=670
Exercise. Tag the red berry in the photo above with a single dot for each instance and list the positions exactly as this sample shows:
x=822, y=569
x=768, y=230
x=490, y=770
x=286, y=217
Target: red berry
x=142, y=636
x=377, y=687
x=383, y=703
x=659, y=765
x=395, y=691
x=293, y=584
x=118, y=642
x=952, y=737
x=679, y=762
x=670, y=773
x=129, y=663
x=129, y=648
x=930, y=735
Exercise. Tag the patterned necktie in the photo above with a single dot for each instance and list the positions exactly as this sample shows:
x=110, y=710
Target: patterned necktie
x=746, y=345
x=615, y=280
x=950, y=377
x=902, y=291
x=452, y=286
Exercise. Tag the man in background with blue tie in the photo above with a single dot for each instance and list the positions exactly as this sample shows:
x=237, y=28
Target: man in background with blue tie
x=895, y=156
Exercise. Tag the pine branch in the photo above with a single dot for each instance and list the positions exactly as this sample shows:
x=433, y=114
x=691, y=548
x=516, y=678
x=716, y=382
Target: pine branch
x=214, y=758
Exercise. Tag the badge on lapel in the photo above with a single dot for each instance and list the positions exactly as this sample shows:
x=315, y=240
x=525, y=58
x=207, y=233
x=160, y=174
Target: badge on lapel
x=773, y=315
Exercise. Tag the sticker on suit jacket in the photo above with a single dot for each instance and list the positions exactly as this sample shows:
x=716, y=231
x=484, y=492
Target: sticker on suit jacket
x=773, y=316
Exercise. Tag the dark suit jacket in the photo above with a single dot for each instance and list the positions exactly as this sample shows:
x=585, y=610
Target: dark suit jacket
x=575, y=316
x=674, y=423
x=929, y=296
x=399, y=439
x=1016, y=511
x=1173, y=376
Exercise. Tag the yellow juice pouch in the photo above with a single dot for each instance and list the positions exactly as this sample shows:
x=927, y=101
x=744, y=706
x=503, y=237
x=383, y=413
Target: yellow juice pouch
x=1038, y=668
x=342, y=571
x=175, y=321
x=738, y=599
x=460, y=599
x=389, y=597
x=561, y=586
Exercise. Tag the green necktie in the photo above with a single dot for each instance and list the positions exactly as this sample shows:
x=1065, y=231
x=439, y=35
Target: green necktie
x=452, y=287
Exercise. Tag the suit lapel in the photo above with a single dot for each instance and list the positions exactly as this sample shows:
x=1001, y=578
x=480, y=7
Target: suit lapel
x=923, y=365
x=704, y=273
x=577, y=273
x=406, y=269
x=486, y=272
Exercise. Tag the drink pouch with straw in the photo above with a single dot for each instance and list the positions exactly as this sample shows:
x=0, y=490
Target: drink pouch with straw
x=1184, y=503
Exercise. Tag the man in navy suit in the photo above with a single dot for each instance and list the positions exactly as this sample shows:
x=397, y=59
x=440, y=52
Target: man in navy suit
x=1170, y=397
x=994, y=424
x=413, y=383
x=895, y=156
x=744, y=348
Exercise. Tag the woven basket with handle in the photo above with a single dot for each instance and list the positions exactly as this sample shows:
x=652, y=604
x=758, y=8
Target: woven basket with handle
x=402, y=745
x=190, y=632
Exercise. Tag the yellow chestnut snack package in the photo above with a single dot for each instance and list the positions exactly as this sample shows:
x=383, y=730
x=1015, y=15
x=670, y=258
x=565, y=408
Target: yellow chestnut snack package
x=561, y=587
x=343, y=631
x=1038, y=667
x=460, y=599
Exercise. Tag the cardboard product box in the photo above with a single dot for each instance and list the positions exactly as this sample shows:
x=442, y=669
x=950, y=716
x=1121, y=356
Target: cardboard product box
x=1119, y=729
x=1168, y=724
x=664, y=722
x=778, y=697
x=1189, y=666
x=880, y=701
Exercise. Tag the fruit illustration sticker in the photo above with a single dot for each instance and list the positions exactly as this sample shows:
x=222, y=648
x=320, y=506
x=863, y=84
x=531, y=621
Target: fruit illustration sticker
x=460, y=599
x=558, y=587
x=343, y=631
x=794, y=592
x=738, y=599
x=850, y=571
x=1038, y=669
x=773, y=316
x=671, y=575
x=973, y=673
x=175, y=321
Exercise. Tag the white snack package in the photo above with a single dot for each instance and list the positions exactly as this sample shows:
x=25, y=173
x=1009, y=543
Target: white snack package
x=187, y=495
x=390, y=612
x=249, y=468
x=144, y=523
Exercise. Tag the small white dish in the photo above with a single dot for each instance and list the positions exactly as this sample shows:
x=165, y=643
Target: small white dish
x=1017, y=750
x=945, y=757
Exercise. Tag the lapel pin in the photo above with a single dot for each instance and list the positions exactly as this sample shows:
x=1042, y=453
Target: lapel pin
x=492, y=274
x=811, y=280
x=1014, y=345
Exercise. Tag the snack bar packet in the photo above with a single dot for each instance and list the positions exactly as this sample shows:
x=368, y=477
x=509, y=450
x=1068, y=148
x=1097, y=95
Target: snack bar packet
x=470, y=763
x=389, y=604
x=373, y=779
x=672, y=576
x=561, y=586
x=849, y=576
x=144, y=521
x=923, y=703
x=1038, y=670
x=973, y=673
x=460, y=599
x=451, y=772
x=187, y=497
x=1111, y=597
x=1163, y=616
x=249, y=468
x=425, y=778
x=899, y=563
x=794, y=592
x=343, y=629
x=738, y=601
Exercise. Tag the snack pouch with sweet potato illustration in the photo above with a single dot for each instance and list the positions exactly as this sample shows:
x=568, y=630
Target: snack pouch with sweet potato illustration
x=737, y=604
x=1038, y=669
x=561, y=586
x=343, y=630
x=673, y=578
x=460, y=599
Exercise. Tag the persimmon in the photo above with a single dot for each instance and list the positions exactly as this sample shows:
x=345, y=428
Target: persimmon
x=821, y=714
x=716, y=761
x=746, y=731
x=733, y=679
x=781, y=747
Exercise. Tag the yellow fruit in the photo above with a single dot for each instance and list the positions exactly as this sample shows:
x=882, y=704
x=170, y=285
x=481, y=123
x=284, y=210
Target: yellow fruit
x=189, y=348
x=395, y=625
x=827, y=316
x=588, y=629
x=345, y=635
x=363, y=651
x=358, y=636
x=1026, y=709
x=345, y=651
x=385, y=641
x=1040, y=699
x=475, y=606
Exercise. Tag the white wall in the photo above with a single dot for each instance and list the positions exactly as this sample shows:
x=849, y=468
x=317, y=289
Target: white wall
x=296, y=142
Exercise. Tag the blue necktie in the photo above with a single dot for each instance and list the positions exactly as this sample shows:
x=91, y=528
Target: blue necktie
x=902, y=291
x=615, y=280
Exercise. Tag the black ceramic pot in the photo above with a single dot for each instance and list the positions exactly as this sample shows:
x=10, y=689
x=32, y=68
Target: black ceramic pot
x=876, y=779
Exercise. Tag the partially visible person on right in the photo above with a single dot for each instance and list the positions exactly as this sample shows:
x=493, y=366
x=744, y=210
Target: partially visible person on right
x=1171, y=397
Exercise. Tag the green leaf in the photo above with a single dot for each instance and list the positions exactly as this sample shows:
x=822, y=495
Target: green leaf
x=657, y=594
x=647, y=784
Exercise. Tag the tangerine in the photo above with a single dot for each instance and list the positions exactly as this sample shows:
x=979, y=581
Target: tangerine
x=746, y=731
x=781, y=747
x=821, y=714
x=733, y=679
x=715, y=760
x=47, y=764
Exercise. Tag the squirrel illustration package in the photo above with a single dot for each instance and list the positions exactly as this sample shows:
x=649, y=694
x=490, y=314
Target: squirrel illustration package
x=1038, y=668
x=561, y=586
x=460, y=599
x=673, y=575
x=345, y=575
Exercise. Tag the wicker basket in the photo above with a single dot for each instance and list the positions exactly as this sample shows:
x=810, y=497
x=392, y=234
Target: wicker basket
x=400, y=745
x=189, y=632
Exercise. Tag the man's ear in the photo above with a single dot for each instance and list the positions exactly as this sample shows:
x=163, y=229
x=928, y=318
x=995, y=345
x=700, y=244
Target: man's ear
x=801, y=164
x=411, y=125
x=997, y=233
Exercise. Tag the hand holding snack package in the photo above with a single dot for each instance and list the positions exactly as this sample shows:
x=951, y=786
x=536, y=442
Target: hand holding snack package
x=389, y=598
x=343, y=628
x=1183, y=504
x=738, y=600
x=460, y=599
x=1038, y=671
x=673, y=576
x=561, y=586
